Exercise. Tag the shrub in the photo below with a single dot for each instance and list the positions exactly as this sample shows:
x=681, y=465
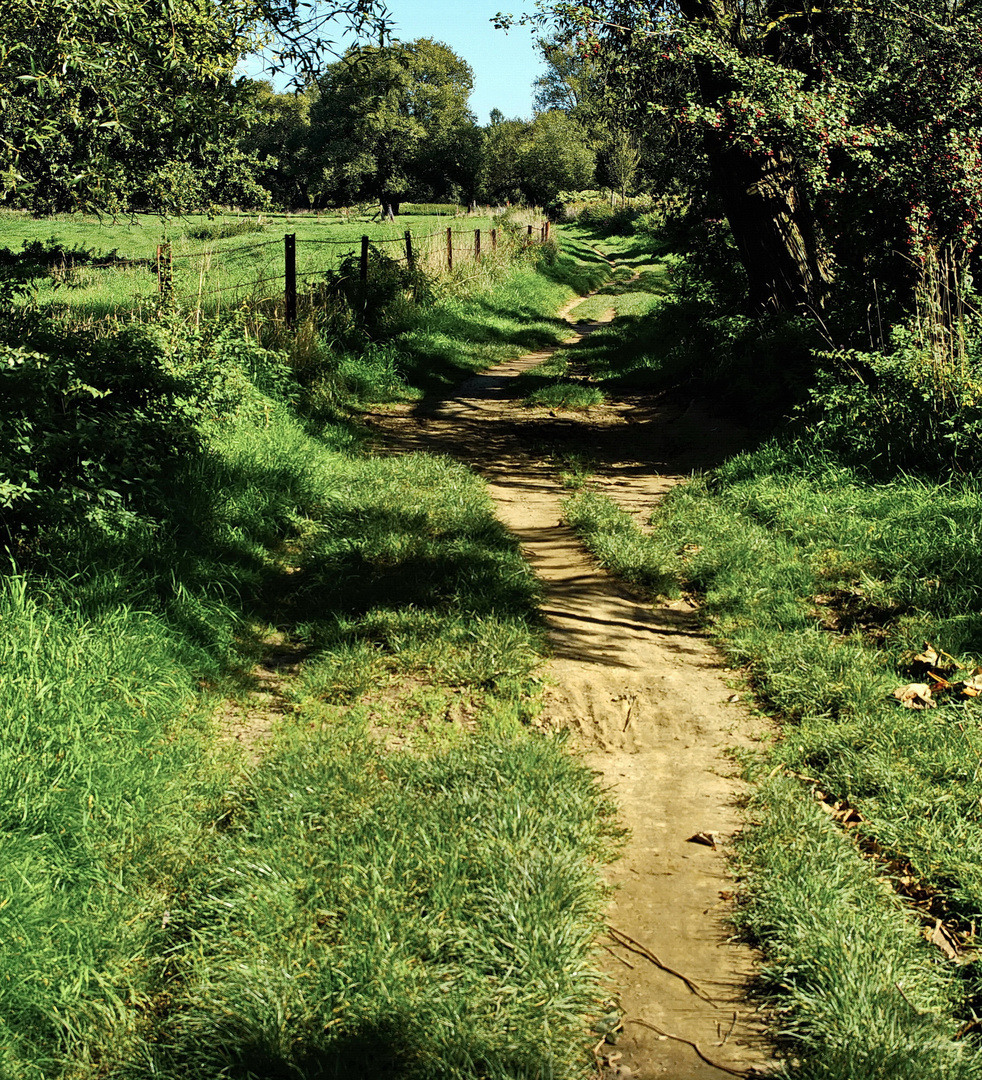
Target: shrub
x=380, y=307
x=221, y=230
x=910, y=409
x=91, y=427
x=433, y=209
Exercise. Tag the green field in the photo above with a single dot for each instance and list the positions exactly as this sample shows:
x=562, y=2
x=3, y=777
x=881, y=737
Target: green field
x=96, y=267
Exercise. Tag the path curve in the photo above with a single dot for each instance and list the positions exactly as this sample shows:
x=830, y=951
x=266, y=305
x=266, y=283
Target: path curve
x=647, y=697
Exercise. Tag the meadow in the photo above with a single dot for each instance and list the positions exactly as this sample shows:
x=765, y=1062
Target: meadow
x=96, y=267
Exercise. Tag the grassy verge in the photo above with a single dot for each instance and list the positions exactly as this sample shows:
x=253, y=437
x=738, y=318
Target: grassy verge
x=823, y=586
x=408, y=882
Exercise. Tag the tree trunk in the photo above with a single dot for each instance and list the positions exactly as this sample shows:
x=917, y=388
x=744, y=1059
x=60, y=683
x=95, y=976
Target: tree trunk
x=772, y=227
x=768, y=212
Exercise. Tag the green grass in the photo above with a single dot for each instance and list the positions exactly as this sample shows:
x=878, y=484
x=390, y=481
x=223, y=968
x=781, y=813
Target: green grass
x=499, y=315
x=217, y=263
x=821, y=585
x=409, y=915
x=408, y=882
x=571, y=396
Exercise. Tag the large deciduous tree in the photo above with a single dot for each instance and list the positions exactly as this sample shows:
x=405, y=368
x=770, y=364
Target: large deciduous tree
x=392, y=122
x=98, y=97
x=841, y=138
x=533, y=160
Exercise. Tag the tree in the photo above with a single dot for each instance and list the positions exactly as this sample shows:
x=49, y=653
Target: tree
x=87, y=89
x=556, y=156
x=532, y=161
x=278, y=137
x=839, y=136
x=391, y=122
x=622, y=160
x=572, y=81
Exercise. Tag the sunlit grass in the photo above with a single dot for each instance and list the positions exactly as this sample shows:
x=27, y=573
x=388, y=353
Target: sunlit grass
x=408, y=881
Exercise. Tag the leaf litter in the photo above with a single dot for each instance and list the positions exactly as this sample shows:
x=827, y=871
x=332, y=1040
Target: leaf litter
x=940, y=669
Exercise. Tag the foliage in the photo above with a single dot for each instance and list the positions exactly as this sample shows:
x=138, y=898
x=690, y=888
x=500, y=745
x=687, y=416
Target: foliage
x=440, y=209
x=224, y=229
x=858, y=121
x=533, y=161
x=907, y=409
x=380, y=307
x=622, y=160
x=391, y=123
x=39, y=257
x=93, y=428
x=107, y=106
x=278, y=137
x=572, y=81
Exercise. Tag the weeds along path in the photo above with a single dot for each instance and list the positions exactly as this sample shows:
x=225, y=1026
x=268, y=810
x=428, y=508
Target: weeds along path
x=645, y=695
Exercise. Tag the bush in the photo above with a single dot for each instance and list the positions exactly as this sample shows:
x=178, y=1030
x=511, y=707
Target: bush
x=222, y=230
x=433, y=209
x=91, y=427
x=377, y=309
x=911, y=409
x=39, y=257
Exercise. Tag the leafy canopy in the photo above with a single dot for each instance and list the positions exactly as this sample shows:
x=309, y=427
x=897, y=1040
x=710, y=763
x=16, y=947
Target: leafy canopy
x=87, y=89
x=392, y=121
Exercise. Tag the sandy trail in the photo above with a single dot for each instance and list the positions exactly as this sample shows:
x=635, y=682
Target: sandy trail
x=647, y=698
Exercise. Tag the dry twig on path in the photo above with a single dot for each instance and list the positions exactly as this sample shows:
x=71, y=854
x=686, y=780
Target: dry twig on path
x=627, y=942
x=695, y=1046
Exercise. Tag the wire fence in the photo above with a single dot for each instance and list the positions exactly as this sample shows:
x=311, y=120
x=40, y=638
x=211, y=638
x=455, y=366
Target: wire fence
x=275, y=269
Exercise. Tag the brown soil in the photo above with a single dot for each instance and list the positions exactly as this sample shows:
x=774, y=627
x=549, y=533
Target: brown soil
x=249, y=719
x=648, y=700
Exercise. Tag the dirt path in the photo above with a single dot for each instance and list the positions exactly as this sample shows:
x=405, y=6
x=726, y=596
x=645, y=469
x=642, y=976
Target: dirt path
x=648, y=700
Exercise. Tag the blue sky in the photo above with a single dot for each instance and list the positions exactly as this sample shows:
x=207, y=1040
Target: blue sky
x=505, y=64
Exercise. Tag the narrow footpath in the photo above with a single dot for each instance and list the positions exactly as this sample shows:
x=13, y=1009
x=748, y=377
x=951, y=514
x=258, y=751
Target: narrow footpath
x=647, y=699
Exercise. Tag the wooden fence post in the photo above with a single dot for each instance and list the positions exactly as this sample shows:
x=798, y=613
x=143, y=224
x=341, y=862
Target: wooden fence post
x=494, y=239
x=546, y=237
x=477, y=245
x=450, y=249
x=530, y=234
x=165, y=273
x=363, y=261
x=290, y=267
x=409, y=250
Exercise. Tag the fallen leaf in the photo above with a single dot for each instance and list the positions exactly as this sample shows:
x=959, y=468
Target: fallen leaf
x=846, y=813
x=930, y=656
x=915, y=696
x=948, y=943
x=970, y=687
x=709, y=839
